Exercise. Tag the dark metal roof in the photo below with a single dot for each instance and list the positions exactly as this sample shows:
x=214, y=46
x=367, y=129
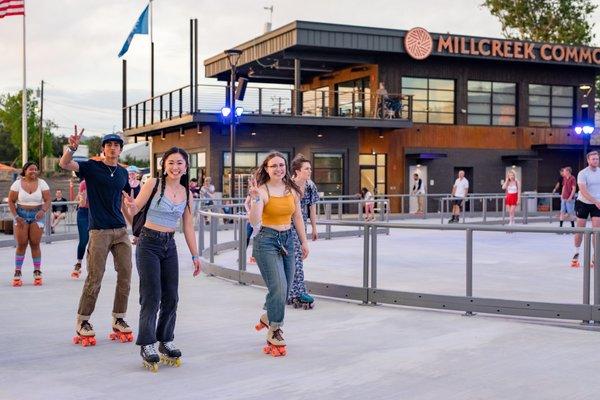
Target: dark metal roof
x=322, y=47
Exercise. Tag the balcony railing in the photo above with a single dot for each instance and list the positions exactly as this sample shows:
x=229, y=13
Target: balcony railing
x=268, y=101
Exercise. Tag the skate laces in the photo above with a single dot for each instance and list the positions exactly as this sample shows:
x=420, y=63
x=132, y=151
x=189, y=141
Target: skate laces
x=86, y=326
x=37, y=272
x=121, y=322
x=277, y=334
x=169, y=346
x=149, y=349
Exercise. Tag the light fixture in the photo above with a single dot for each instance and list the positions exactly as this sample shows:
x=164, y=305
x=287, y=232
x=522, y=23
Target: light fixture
x=239, y=111
x=514, y=166
x=373, y=151
x=319, y=135
x=418, y=165
x=253, y=134
x=233, y=56
x=380, y=135
x=225, y=111
x=146, y=137
x=198, y=129
x=162, y=135
x=585, y=88
x=181, y=132
x=584, y=129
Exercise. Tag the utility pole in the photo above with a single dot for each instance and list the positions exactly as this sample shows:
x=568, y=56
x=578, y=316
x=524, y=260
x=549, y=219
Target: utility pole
x=41, y=160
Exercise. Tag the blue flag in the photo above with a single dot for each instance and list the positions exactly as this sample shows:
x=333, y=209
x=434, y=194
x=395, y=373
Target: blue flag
x=140, y=27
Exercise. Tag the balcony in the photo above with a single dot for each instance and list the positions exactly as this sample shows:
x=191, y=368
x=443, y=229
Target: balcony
x=270, y=105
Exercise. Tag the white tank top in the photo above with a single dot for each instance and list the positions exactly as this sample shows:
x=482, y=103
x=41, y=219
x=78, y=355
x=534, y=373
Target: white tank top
x=30, y=199
x=512, y=189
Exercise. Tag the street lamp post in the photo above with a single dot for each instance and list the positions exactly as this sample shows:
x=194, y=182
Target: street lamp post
x=233, y=55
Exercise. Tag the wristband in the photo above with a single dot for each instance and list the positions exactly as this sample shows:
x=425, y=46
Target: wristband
x=256, y=199
x=71, y=149
x=194, y=258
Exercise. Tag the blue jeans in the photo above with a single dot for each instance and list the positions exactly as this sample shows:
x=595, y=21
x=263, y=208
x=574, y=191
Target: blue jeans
x=249, y=230
x=83, y=227
x=274, y=254
x=158, y=268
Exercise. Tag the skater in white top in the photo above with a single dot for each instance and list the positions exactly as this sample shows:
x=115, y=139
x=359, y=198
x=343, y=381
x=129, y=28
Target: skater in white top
x=588, y=200
x=459, y=192
x=512, y=187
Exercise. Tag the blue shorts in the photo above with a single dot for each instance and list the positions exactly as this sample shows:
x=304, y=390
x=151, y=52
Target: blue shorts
x=567, y=206
x=29, y=216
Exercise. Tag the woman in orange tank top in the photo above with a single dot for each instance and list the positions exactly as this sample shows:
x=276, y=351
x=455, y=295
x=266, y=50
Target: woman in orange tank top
x=275, y=205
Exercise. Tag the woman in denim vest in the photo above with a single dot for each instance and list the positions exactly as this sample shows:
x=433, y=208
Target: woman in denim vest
x=156, y=256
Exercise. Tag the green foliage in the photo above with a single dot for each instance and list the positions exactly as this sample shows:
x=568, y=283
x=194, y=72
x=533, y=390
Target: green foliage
x=10, y=121
x=556, y=21
x=134, y=161
x=58, y=143
x=94, y=144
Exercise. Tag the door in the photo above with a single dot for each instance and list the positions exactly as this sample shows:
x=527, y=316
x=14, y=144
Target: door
x=420, y=170
x=367, y=178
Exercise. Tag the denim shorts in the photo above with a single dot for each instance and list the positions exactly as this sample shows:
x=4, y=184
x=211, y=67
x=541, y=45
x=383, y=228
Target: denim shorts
x=29, y=216
x=567, y=206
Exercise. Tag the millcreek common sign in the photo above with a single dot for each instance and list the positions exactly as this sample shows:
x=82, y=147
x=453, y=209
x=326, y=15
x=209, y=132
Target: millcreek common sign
x=420, y=44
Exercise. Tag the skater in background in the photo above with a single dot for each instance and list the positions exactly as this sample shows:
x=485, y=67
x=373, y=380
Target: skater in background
x=28, y=202
x=83, y=227
x=134, y=182
x=567, y=197
x=207, y=192
x=418, y=190
x=106, y=181
x=588, y=200
x=301, y=172
x=459, y=192
x=59, y=211
x=156, y=255
x=366, y=195
x=275, y=203
x=512, y=198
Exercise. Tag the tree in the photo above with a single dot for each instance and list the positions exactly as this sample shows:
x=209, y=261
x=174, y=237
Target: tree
x=94, y=144
x=58, y=143
x=10, y=120
x=556, y=21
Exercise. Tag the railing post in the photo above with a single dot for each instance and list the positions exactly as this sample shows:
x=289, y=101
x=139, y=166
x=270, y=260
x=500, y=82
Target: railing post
x=213, y=238
x=366, y=241
x=586, y=269
x=353, y=104
x=402, y=205
x=136, y=115
x=242, y=248
x=442, y=210
x=340, y=210
x=484, y=210
x=373, y=259
x=328, y=217
x=200, y=222
x=525, y=210
x=170, y=105
x=144, y=113
x=596, y=269
x=260, y=101
x=469, y=271
x=180, y=102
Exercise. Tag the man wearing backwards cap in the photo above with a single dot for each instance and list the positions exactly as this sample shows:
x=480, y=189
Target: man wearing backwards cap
x=106, y=180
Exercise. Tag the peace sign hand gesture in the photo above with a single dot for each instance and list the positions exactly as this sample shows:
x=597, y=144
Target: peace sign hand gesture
x=75, y=138
x=253, y=187
x=130, y=203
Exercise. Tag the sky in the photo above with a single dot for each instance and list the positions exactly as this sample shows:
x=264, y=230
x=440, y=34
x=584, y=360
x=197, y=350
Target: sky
x=73, y=44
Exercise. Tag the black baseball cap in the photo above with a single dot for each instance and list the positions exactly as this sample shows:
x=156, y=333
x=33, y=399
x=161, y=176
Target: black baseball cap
x=112, y=137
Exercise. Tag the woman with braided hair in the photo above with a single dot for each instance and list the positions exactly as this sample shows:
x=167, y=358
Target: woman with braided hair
x=275, y=205
x=156, y=255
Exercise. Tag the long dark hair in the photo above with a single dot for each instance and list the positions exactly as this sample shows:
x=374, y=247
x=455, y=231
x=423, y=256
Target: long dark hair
x=262, y=177
x=27, y=165
x=184, y=180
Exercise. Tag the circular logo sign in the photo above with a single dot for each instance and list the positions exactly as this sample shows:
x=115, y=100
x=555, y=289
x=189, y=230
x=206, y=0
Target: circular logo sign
x=418, y=43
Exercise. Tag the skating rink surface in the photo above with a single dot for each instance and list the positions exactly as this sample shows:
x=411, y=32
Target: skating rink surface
x=339, y=350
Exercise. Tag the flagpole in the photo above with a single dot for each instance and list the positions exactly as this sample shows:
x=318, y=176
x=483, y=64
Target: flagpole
x=24, y=103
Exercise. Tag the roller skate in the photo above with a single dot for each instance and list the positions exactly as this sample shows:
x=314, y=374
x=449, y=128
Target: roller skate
x=304, y=301
x=262, y=323
x=16, y=282
x=121, y=331
x=169, y=354
x=575, y=261
x=150, y=358
x=275, y=343
x=76, y=271
x=85, y=334
x=37, y=277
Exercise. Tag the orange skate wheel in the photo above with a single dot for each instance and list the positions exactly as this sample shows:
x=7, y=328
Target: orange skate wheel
x=75, y=339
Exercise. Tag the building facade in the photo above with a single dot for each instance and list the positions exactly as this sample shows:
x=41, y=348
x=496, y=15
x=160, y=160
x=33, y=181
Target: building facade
x=372, y=106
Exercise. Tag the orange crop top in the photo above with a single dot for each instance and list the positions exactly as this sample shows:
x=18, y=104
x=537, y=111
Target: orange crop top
x=279, y=210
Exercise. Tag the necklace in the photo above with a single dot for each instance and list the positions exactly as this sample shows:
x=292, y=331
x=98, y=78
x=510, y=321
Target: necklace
x=112, y=172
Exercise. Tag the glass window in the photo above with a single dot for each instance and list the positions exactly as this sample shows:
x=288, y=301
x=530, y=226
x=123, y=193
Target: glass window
x=328, y=173
x=245, y=163
x=551, y=105
x=366, y=159
x=315, y=102
x=353, y=98
x=433, y=100
x=491, y=103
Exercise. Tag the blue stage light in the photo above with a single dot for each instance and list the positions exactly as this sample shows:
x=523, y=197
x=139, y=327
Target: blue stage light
x=225, y=111
x=587, y=129
x=239, y=111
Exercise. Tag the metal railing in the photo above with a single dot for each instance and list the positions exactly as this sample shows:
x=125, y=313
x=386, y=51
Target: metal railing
x=370, y=293
x=268, y=101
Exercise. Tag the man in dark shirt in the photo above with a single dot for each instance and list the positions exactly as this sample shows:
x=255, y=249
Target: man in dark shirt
x=59, y=212
x=106, y=180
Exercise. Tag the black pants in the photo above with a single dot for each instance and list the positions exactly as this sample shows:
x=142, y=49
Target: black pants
x=157, y=265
